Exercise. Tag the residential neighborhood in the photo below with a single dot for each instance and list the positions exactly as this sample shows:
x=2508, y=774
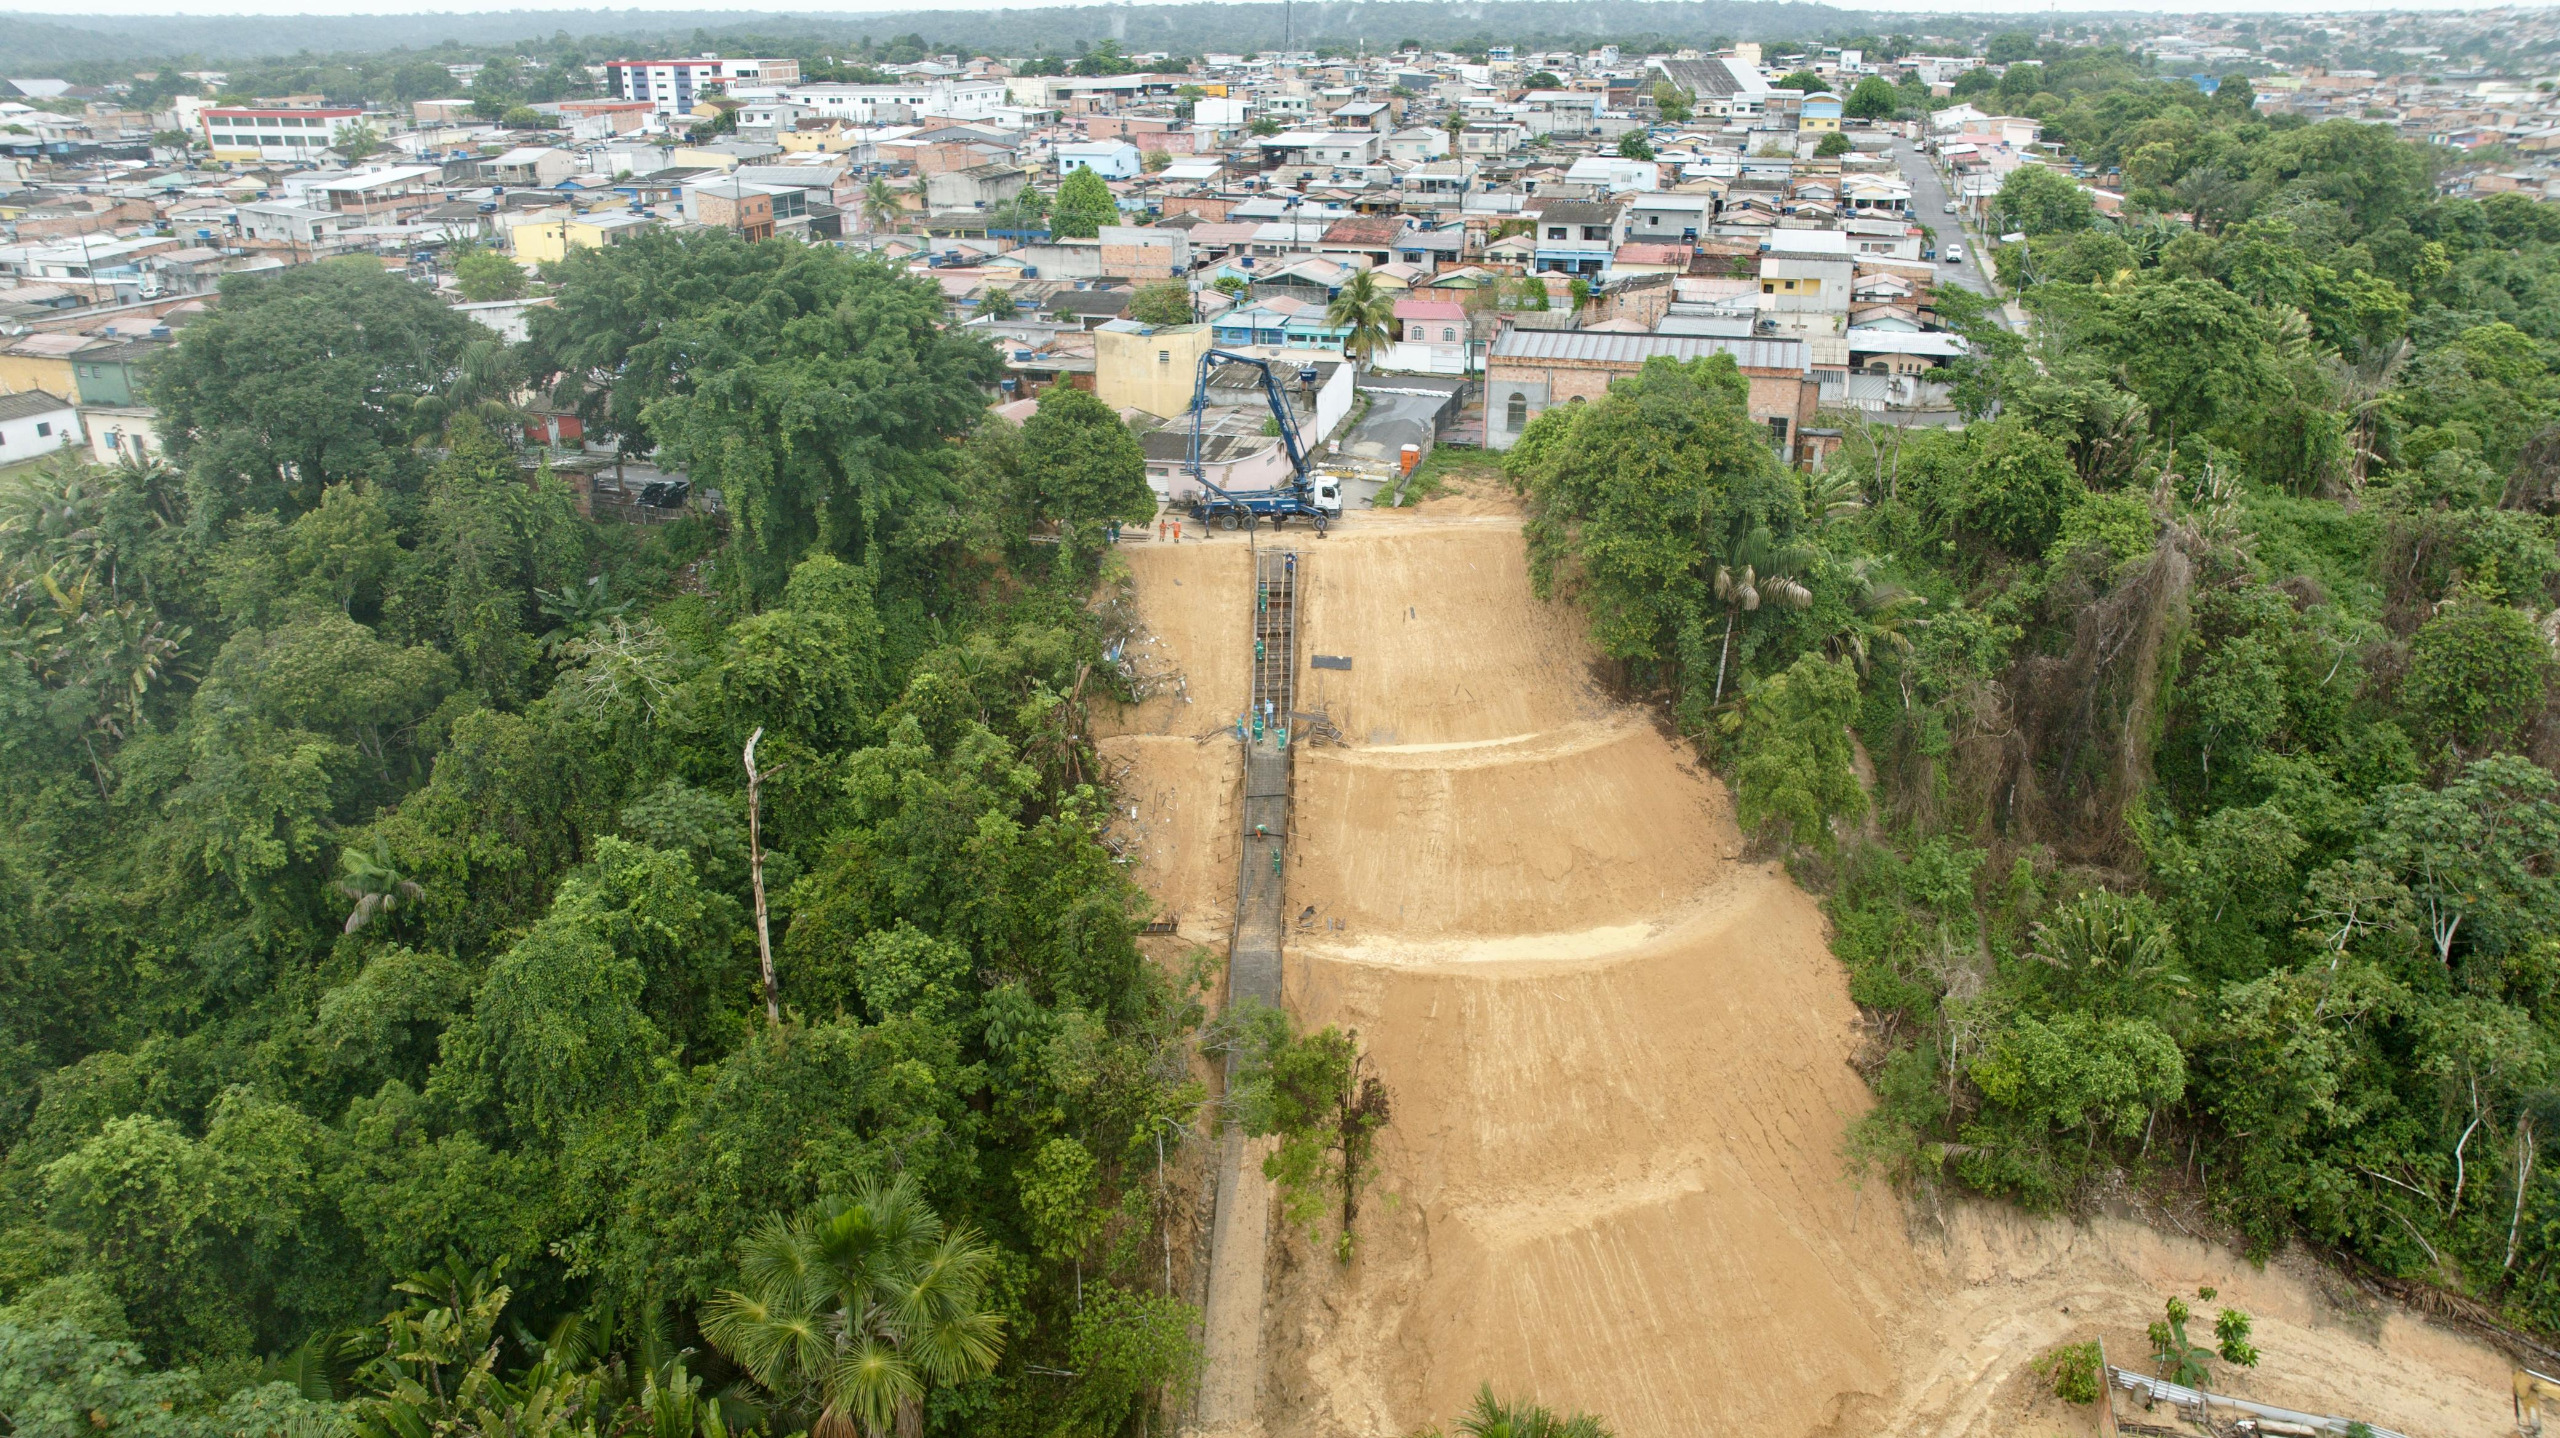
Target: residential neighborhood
x=1537, y=223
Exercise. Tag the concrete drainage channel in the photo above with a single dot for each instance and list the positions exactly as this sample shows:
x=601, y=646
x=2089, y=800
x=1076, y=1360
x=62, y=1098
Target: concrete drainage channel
x=1231, y=1379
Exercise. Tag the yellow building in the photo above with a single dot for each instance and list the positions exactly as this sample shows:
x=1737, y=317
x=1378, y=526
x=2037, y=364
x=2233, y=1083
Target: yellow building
x=550, y=237
x=43, y=361
x=685, y=157
x=833, y=140
x=1148, y=367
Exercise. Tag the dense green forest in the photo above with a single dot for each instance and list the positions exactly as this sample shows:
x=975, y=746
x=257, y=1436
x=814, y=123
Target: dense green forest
x=60, y=41
x=383, y=1026
x=2205, y=677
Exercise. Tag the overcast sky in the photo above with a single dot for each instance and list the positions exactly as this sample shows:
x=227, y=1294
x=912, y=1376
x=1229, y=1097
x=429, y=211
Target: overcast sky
x=411, y=7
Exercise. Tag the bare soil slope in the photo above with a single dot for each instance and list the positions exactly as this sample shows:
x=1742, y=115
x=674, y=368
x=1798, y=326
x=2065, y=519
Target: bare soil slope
x=1616, y=1051
x=1620, y=1062
x=1175, y=772
x=1619, y=1059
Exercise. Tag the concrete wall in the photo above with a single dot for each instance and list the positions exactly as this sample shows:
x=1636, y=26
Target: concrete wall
x=1414, y=358
x=1333, y=404
x=1148, y=369
x=1265, y=468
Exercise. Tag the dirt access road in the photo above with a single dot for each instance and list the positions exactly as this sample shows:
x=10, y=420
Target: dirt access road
x=1619, y=1056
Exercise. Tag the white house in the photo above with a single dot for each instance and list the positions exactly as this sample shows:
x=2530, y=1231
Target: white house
x=1214, y=112
x=121, y=432
x=1321, y=147
x=1417, y=145
x=33, y=422
x=1615, y=174
x=957, y=99
x=530, y=165
x=1111, y=159
x=274, y=134
x=1669, y=218
x=1430, y=336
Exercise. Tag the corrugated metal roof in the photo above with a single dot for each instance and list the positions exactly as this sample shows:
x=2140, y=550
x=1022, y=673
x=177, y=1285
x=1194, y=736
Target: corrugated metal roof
x=1864, y=339
x=27, y=403
x=1587, y=347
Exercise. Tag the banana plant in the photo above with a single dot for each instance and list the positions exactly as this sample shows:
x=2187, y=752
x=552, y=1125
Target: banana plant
x=376, y=887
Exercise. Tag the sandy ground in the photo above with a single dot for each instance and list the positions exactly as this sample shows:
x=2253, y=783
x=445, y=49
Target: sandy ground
x=1176, y=774
x=1619, y=1057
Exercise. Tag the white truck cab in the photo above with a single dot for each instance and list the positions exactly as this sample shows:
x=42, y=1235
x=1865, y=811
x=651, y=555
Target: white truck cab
x=1329, y=494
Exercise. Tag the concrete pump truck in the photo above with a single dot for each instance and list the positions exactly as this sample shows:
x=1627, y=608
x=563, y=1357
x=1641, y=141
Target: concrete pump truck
x=1305, y=494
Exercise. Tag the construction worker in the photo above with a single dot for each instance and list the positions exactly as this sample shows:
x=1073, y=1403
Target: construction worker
x=1275, y=863
x=1289, y=564
x=1262, y=600
x=1257, y=728
x=1283, y=732
x=1257, y=651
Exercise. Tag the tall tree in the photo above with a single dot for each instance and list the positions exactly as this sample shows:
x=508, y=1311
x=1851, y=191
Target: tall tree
x=1081, y=467
x=1753, y=568
x=302, y=378
x=1166, y=302
x=1631, y=498
x=1875, y=98
x=819, y=397
x=1083, y=206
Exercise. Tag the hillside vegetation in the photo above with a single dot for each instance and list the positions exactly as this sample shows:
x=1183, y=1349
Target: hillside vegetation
x=2205, y=676
x=379, y=904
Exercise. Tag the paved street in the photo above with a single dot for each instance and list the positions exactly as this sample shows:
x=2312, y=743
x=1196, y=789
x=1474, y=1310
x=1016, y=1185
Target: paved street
x=1929, y=200
x=1928, y=203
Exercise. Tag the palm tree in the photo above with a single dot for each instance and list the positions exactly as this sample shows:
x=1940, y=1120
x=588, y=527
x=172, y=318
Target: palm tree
x=1366, y=310
x=1493, y=1418
x=880, y=207
x=1832, y=494
x=1882, y=616
x=1757, y=568
x=862, y=1304
x=2362, y=387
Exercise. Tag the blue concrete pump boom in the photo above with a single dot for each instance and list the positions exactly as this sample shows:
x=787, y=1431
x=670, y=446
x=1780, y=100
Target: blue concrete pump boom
x=1302, y=494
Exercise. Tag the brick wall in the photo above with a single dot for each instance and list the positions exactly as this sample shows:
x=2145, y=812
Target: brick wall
x=1774, y=394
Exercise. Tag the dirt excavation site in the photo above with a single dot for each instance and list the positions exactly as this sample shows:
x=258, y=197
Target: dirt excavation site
x=1619, y=1057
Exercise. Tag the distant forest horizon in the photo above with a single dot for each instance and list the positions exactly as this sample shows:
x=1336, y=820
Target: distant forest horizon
x=36, y=43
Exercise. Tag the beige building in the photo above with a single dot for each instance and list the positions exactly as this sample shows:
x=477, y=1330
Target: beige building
x=1148, y=367
x=1532, y=371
